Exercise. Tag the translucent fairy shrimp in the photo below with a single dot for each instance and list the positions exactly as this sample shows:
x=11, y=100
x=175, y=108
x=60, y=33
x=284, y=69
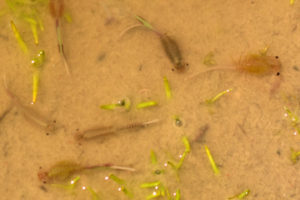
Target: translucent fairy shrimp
x=254, y=64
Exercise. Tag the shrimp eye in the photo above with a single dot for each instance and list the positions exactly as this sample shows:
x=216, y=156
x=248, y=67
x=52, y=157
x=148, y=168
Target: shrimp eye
x=276, y=57
x=278, y=74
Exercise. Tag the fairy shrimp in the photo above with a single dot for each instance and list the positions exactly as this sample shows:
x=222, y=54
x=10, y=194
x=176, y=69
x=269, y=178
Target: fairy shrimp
x=259, y=65
x=254, y=64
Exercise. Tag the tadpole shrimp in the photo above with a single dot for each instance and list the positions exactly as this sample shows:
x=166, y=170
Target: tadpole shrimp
x=259, y=65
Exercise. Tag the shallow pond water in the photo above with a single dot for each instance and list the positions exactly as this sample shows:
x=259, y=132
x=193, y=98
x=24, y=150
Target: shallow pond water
x=246, y=130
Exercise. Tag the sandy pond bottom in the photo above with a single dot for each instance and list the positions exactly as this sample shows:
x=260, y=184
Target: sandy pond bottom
x=248, y=135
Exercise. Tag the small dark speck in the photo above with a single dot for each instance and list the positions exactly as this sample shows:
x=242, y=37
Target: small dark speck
x=43, y=188
x=173, y=69
x=140, y=67
x=296, y=68
x=101, y=57
x=5, y=149
x=278, y=74
x=47, y=134
x=278, y=152
x=292, y=195
x=276, y=57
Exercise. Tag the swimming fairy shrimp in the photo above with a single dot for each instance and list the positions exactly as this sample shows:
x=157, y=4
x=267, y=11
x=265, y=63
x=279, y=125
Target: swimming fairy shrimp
x=259, y=65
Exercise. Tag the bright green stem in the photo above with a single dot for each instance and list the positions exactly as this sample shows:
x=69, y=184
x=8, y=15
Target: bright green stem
x=211, y=160
x=20, y=40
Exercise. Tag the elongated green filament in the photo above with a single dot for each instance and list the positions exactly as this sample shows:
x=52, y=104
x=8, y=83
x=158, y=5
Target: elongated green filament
x=186, y=144
x=177, y=196
x=108, y=106
x=36, y=63
x=69, y=186
x=122, y=185
x=154, y=194
x=150, y=185
x=153, y=157
x=241, y=195
x=144, y=22
x=94, y=194
x=116, y=179
x=35, y=85
x=218, y=96
x=20, y=40
x=211, y=160
x=167, y=88
x=147, y=104
x=33, y=25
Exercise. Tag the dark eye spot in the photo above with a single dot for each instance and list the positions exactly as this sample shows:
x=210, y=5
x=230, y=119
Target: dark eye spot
x=276, y=57
x=173, y=69
x=278, y=74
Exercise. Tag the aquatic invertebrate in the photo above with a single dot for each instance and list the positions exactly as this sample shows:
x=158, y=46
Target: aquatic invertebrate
x=170, y=46
x=62, y=170
x=57, y=9
x=112, y=129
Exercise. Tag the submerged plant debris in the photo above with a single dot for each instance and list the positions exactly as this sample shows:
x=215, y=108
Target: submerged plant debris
x=212, y=161
x=242, y=195
x=27, y=12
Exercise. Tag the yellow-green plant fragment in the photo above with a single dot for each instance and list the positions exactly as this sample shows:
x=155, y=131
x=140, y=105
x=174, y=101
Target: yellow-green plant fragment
x=264, y=51
x=35, y=85
x=167, y=88
x=144, y=22
x=94, y=194
x=211, y=160
x=147, y=104
x=155, y=194
x=209, y=59
x=38, y=60
x=20, y=40
x=116, y=179
x=218, y=96
x=33, y=25
x=108, y=106
x=241, y=195
x=153, y=157
x=186, y=144
x=177, y=196
x=69, y=186
x=295, y=156
x=150, y=185
x=126, y=191
x=68, y=17
x=122, y=103
x=292, y=2
x=294, y=119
